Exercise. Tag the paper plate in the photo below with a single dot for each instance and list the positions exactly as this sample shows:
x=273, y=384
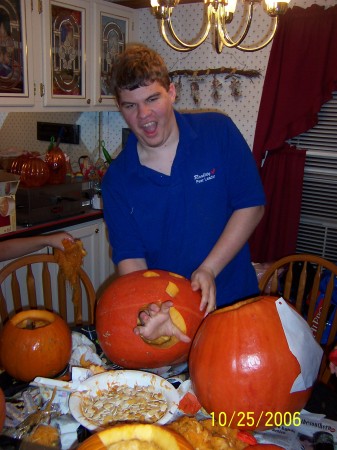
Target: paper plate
x=131, y=378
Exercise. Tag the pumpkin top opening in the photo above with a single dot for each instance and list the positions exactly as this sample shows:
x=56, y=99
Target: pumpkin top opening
x=241, y=304
x=41, y=318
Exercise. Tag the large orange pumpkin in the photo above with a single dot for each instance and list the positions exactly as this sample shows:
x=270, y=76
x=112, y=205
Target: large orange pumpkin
x=118, y=310
x=35, y=343
x=242, y=369
x=149, y=435
x=2, y=409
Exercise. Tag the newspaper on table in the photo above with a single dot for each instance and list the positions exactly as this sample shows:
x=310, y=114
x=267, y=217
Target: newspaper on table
x=299, y=435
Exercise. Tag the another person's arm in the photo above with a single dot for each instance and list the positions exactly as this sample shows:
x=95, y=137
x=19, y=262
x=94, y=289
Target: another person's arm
x=236, y=233
x=17, y=247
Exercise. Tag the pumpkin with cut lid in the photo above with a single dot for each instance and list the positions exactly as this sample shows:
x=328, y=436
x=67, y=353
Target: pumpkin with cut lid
x=117, y=314
x=35, y=343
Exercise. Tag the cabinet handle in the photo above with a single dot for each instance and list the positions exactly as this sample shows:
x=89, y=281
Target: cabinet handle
x=88, y=101
x=100, y=100
x=41, y=90
x=97, y=230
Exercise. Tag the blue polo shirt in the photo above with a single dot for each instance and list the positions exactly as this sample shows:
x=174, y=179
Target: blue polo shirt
x=174, y=221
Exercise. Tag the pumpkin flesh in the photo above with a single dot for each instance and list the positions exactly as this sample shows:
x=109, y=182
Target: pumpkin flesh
x=117, y=314
x=35, y=343
x=241, y=367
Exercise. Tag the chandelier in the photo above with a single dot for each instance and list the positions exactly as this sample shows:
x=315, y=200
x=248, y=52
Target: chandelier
x=219, y=13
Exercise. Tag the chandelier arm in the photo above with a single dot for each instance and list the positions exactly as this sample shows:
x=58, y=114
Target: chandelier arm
x=223, y=33
x=264, y=43
x=200, y=41
x=168, y=42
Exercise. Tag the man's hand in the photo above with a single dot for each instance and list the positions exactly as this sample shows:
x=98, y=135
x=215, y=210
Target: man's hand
x=203, y=279
x=156, y=322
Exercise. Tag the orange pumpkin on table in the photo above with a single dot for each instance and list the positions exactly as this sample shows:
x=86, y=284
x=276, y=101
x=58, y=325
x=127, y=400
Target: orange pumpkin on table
x=117, y=313
x=241, y=367
x=150, y=436
x=35, y=343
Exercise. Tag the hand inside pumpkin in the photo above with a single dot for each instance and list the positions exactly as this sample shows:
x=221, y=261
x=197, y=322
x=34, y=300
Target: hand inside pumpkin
x=156, y=323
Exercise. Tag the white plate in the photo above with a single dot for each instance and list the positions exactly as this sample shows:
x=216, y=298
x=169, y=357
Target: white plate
x=130, y=378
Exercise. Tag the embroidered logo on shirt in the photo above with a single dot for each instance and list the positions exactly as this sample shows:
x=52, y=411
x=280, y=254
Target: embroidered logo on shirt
x=206, y=176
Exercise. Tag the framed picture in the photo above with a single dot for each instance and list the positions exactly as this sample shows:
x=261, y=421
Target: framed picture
x=15, y=68
x=114, y=29
x=65, y=53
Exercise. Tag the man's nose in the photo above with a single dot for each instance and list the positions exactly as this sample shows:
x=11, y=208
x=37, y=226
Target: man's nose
x=143, y=110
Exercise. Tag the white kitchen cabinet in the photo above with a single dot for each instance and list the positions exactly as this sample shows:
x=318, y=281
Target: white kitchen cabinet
x=68, y=48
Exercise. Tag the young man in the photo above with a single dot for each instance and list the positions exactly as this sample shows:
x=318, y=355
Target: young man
x=184, y=195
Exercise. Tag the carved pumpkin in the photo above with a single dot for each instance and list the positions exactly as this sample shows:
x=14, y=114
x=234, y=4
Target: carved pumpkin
x=57, y=164
x=242, y=369
x=2, y=409
x=150, y=436
x=35, y=343
x=118, y=310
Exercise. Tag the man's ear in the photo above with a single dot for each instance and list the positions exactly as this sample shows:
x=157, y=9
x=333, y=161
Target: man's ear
x=172, y=92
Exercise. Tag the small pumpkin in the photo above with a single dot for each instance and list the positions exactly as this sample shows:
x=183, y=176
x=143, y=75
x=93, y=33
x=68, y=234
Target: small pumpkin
x=35, y=343
x=152, y=437
x=56, y=161
x=241, y=366
x=2, y=409
x=118, y=310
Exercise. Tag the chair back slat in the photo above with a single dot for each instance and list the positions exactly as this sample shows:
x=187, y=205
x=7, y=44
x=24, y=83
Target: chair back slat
x=3, y=306
x=62, y=295
x=301, y=287
x=31, y=288
x=47, y=288
x=288, y=281
x=16, y=292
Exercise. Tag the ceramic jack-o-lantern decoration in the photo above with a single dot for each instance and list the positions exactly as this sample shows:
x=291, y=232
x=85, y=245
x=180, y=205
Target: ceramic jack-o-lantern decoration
x=34, y=172
x=242, y=366
x=117, y=314
x=35, y=343
x=56, y=161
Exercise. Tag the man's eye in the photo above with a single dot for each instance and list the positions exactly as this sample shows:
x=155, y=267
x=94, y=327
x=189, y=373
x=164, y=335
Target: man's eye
x=130, y=106
x=152, y=99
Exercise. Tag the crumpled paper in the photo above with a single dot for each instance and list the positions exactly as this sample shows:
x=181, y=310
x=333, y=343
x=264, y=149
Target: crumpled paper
x=83, y=347
x=299, y=337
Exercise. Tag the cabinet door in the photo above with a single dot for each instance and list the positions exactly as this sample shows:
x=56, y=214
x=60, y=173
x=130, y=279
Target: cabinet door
x=16, y=58
x=66, y=52
x=113, y=29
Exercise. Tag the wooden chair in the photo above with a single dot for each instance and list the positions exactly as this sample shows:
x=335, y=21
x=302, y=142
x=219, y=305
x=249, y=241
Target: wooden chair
x=297, y=279
x=35, y=281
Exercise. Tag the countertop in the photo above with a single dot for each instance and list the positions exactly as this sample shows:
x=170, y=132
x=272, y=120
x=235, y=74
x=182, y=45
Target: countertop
x=55, y=225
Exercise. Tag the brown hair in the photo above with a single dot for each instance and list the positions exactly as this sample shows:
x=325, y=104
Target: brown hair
x=138, y=66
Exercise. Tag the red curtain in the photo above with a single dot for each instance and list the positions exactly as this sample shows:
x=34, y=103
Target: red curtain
x=300, y=77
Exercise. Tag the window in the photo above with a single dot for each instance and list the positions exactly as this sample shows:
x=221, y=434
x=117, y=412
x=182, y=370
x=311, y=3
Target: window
x=318, y=224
